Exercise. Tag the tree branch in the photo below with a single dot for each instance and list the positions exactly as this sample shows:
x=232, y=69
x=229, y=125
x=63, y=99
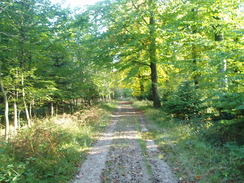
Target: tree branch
x=138, y=11
x=141, y=63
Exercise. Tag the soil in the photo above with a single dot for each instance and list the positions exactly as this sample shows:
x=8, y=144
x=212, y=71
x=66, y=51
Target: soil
x=122, y=156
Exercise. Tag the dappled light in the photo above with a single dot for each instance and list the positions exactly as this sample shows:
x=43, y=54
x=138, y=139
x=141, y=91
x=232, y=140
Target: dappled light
x=64, y=70
x=118, y=153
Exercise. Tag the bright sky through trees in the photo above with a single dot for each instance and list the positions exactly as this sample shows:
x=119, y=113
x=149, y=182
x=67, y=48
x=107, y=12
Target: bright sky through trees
x=75, y=3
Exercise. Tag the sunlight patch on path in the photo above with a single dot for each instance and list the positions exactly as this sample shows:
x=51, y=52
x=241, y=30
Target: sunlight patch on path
x=161, y=171
x=91, y=169
x=121, y=155
x=125, y=161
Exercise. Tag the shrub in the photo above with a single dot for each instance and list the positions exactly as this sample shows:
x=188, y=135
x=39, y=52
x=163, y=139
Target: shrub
x=185, y=102
x=192, y=157
x=51, y=150
x=225, y=131
x=228, y=105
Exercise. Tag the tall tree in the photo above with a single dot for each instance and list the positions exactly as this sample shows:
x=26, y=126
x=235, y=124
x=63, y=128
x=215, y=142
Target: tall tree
x=131, y=28
x=152, y=53
x=6, y=103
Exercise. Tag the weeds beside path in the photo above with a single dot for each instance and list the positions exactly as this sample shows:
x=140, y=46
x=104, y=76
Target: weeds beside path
x=193, y=157
x=51, y=150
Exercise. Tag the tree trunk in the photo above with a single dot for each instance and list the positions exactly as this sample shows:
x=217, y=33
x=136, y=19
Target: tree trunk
x=5, y=98
x=56, y=108
x=24, y=102
x=90, y=102
x=194, y=52
x=27, y=113
x=71, y=106
x=6, y=113
x=52, y=109
x=223, y=80
x=141, y=84
x=16, y=123
x=194, y=61
x=30, y=110
x=6, y=116
x=15, y=115
x=19, y=113
x=154, y=79
x=153, y=59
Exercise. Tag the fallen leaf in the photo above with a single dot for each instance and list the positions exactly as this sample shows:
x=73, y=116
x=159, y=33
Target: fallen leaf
x=197, y=177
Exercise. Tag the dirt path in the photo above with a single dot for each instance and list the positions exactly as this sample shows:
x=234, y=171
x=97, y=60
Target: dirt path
x=120, y=154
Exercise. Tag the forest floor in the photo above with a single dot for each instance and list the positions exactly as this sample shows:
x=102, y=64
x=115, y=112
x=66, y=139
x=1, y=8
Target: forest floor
x=122, y=155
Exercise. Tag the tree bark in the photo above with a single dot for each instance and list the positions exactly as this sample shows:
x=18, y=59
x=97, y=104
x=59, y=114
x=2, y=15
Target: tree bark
x=141, y=86
x=16, y=108
x=153, y=58
x=52, y=109
x=154, y=79
x=15, y=115
x=6, y=113
x=24, y=102
x=223, y=80
x=194, y=51
x=19, y=113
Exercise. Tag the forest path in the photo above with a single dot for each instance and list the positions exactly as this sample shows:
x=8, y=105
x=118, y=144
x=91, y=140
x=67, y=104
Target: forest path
x=121, y=155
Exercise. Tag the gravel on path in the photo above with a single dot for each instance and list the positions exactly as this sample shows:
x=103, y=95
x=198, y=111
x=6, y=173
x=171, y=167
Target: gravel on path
x=120, y=154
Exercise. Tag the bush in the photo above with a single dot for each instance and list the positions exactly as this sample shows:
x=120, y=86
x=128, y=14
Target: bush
x=192, y=157
x=228, y=105
x=51, y=150
x=225, y=131
x=184, y=103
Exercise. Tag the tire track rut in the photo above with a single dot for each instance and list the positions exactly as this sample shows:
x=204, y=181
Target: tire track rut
x=118, y=155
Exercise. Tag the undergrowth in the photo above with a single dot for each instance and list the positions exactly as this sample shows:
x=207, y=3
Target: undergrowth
x=192, y=156
x=52, y=149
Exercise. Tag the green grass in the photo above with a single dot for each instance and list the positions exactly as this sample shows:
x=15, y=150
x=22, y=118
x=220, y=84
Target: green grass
x=52, y=149
x=190, y=155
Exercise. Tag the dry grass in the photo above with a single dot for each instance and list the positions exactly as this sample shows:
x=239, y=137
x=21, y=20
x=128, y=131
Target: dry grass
x=52, y=148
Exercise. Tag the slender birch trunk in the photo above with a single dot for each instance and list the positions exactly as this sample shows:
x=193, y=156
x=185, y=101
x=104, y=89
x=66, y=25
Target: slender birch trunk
x=223, y=80
x=15, y=115
x=24, y=102
x=6, y=113
x=194, y=52
x=52, y=109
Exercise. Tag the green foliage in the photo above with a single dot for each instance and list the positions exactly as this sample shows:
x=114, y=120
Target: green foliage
x=12, y=172
x=52, y=149
x=192, y=155
x=51, y=56
x=224, y=131
x=227, y=105
x=185, y=102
